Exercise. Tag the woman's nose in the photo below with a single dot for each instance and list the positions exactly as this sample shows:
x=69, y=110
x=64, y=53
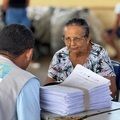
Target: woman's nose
x=72, y=41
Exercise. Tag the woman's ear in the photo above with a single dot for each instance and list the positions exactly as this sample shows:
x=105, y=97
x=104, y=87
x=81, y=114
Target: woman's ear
x=88, y=39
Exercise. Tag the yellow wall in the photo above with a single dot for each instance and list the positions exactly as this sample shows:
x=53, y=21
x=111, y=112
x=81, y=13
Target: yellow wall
x=74, y=3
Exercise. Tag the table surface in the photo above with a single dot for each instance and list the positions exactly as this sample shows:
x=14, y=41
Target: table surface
x=112, y=113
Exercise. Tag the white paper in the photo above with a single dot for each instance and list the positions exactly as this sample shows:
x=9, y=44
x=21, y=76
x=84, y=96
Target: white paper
x=83, y=77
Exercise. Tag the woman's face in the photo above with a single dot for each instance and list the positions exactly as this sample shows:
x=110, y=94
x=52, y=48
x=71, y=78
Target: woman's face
x=75, y=40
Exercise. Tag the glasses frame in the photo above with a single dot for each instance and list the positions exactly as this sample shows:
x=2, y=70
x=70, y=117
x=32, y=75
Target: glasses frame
x=76, y=39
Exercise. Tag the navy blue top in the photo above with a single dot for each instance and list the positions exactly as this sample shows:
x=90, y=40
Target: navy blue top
x=17, y=3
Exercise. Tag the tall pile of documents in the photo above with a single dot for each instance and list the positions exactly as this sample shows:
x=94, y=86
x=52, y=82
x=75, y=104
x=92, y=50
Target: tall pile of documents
x=62, y=100
x=82, y=90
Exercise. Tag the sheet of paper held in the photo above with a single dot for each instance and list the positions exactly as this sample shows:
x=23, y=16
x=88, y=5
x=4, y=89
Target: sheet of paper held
x=83, y=77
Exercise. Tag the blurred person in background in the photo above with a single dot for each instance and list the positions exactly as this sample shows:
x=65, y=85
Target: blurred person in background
x=110, y=35
x=80, y=50
x=19, y=89
x=15, y=12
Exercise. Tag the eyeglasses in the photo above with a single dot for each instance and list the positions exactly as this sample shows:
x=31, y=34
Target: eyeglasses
x=68, y=40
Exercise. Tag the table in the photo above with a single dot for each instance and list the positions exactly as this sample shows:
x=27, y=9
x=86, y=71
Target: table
x=112, y=113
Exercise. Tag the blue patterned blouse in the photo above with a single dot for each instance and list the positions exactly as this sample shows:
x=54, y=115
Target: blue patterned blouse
x=97, y=61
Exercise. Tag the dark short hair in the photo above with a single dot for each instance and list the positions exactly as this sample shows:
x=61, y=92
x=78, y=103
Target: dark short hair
x=80, y=22
x=15, y=39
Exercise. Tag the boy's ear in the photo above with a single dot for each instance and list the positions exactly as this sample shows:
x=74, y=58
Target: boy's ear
x=29, y=54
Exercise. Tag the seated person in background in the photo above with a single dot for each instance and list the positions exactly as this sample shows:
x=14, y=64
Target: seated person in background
x=110, y=35
x=16, y=12
x=19, y=89
x=80, y=50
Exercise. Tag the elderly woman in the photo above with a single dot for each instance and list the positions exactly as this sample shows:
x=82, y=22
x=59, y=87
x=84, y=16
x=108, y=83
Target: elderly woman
x=80, y=50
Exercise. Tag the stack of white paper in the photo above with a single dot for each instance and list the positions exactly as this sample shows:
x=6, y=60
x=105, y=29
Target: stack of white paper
x=81, y=90
x=61, y=99
x=95, y=86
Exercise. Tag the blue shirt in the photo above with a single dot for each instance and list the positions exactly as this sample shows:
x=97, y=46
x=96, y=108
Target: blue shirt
x=28, y=103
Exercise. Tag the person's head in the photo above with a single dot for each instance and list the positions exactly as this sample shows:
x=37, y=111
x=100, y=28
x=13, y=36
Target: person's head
x=16, y=43
x=76, y=35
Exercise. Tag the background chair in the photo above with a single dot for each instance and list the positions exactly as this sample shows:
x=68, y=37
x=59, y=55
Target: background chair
x=116, y=66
